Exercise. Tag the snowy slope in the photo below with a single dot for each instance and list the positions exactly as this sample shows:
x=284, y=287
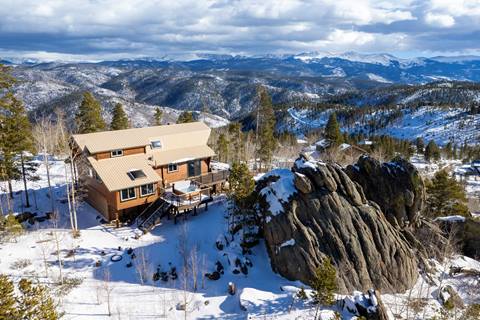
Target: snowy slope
x=430, y=123
x=261, y=294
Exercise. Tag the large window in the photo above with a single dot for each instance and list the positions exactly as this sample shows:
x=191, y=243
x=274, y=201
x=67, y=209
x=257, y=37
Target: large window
x=146, y=189
x=117, y=153
x=172, y=167
x=127, y=194
x=156, y=144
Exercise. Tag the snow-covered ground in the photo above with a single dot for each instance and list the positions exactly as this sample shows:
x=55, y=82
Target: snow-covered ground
x=260, y=291
x=430, y=123
x=260, y=294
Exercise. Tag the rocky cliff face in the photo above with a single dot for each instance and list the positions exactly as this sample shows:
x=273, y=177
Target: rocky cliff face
x=315, y=211
x=395, y=186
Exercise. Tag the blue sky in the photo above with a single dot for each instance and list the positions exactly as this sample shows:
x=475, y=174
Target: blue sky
x=114, y=29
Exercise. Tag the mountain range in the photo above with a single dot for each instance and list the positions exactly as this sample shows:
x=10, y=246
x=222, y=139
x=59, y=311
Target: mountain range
x=225, y=85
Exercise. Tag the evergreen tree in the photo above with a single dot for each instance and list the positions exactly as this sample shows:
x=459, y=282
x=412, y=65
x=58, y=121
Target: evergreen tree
x=32, y=302
x=242, y=215
x=35, y=302
x=445, y=196
x=15, y=138
x=236, y=139
x=157, y=117
x=332, y=130
x=241, y=184
x=420, y=144
x=8, y=308
x=432, y=152
x=185, y=117
x=267, y=142
x=11, y=227
x=448, y=150
x=222, y=148
x=324, y=283
x=89, y=117
x=119, y=118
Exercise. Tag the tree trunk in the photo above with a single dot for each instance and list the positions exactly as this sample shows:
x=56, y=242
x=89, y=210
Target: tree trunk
x=47, y=166
x=27, y=200
x=10, y=189
x=74, y=201
x=67, y=185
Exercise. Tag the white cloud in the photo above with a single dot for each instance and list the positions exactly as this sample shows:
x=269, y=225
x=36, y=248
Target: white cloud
x=439, y=20
x=158, y=27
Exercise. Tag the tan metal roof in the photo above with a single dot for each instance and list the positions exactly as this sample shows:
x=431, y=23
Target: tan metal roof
x=180, y=155
x=174, y=136
x=113, y=171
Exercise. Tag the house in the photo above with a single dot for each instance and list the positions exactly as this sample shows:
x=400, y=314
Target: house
x=129, y=171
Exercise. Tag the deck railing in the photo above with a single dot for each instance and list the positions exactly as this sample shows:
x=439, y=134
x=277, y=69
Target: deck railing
x=212, y=177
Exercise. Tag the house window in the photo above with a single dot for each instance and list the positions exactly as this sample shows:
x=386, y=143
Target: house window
x=127, y=194
x=136, y=174
x=156, y=144
x=117, y=153
x=146, y=189
x=172, y=167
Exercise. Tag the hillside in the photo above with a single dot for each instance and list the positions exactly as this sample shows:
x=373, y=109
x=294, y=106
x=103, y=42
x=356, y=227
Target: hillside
x=226, y=85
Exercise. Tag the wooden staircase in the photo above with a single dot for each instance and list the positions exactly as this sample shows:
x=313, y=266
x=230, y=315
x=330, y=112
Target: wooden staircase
x=152, y=215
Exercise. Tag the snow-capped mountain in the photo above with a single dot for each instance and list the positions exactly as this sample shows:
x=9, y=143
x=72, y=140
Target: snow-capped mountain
x=225, y=85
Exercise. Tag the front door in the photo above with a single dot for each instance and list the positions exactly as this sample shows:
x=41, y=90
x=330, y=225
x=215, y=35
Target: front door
x=194, y=168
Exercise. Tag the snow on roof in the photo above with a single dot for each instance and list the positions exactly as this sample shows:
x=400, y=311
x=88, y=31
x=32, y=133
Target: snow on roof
x=344, y=146
x=278, y=192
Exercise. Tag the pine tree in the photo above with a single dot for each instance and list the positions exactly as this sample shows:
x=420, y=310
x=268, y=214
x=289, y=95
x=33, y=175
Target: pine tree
x=432, y=152
x=448, y=150
x=12, y=227
x=241, y=196
x=236, y=139
x=445, y=196
x=15, y=140
x=89, y=117
x=157, y=117
x=35, y=302
x=332, y=130
x=324, y=283
x=267, y=141
x=222, y=148
x=241, y=184
x=420, y=144
x=185, y=116
x=8, y=308
x=119, y=118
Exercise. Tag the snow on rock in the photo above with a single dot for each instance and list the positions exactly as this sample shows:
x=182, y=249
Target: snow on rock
x=455, y=218
x=279, y=191
x=287, y=243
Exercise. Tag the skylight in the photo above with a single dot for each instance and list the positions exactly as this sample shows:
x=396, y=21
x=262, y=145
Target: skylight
x=156, y=144
x=136, y=174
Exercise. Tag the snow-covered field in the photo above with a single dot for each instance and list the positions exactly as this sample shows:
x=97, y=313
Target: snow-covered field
x=260, y=294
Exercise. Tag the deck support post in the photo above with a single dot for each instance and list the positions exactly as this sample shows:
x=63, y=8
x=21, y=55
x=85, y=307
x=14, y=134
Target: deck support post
x=195, y=210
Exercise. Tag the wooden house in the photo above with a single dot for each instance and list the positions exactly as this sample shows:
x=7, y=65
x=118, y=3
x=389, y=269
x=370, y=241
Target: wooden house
x=127, y=171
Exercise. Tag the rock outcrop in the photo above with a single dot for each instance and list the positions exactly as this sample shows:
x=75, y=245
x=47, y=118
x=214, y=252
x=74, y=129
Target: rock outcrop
x=315, y=211
x=395, y=186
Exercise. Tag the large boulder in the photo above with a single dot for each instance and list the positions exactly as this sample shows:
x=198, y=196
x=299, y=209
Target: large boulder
x=327, y=215
x=395, y=186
